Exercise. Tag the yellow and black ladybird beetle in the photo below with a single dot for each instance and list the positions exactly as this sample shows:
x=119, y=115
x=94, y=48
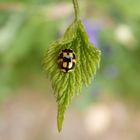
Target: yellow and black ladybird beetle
x=67, y=60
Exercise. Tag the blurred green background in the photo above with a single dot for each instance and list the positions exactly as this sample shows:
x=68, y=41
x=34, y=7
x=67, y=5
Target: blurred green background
x=108, y=109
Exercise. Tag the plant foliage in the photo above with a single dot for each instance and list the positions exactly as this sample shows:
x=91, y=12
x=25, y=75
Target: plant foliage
x=66, y=85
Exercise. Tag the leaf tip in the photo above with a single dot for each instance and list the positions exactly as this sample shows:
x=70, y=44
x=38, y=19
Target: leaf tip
x=59, y=123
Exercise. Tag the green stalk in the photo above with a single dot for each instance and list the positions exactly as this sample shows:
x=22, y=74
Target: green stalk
x=76, y=9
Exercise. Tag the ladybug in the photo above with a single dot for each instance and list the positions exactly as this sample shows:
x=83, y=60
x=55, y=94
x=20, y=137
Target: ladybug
x=67, y=60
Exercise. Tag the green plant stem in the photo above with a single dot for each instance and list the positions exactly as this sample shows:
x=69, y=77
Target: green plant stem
x=76, y=9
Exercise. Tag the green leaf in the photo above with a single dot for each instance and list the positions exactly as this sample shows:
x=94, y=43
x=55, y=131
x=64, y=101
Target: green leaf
x=67, y=85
